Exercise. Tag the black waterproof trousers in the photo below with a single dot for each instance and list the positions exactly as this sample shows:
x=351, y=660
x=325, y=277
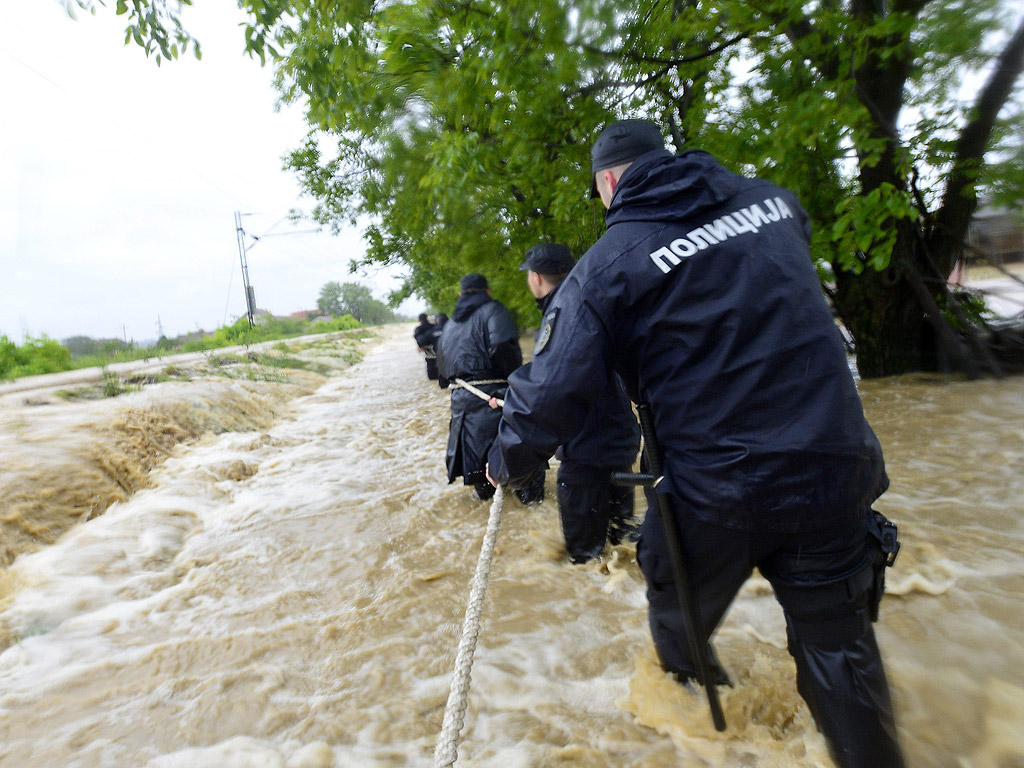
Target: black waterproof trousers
x=471, y=430
x=828, y=583
x=533, y=491
x=592, y=509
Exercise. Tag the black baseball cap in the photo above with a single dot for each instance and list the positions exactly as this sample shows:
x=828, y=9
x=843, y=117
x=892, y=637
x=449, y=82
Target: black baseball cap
x=548, y=259
x=622, y=142
x=474, y=281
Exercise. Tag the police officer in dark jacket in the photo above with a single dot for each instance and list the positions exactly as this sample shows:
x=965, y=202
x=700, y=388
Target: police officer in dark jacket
x=439, y=320
x=592, y=509
x=703, y=297
x=480, y=346
x=424, y=335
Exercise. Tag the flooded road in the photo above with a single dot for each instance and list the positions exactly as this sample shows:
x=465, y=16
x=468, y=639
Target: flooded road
x=293, y=596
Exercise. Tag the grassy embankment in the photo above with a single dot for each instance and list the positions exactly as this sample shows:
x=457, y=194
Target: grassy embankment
x=41, y=355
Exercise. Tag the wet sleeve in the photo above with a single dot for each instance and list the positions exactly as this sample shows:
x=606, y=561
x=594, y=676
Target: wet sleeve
x=548, y=399
x=503, y=337
x=442, y=375
x=507, y=357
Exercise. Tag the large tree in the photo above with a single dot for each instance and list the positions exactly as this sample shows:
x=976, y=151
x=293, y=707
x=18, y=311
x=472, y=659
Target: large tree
x=353, y=299
x=461, y=129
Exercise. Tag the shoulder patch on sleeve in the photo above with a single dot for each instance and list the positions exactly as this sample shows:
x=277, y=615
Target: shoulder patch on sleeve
x=547, y=327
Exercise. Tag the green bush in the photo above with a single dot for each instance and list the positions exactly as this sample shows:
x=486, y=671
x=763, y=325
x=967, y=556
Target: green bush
x=35, y=356
x=267, y=329
x=343, y=323
x=238, y=333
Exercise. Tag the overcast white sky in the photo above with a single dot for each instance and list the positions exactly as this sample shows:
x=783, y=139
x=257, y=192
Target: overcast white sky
x=119, y=181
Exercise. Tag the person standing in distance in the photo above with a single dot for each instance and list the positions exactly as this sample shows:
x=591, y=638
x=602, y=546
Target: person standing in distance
x=424, y=335
x=479, y=345
x=435, y=333
x=592, y=510
x=702, y=295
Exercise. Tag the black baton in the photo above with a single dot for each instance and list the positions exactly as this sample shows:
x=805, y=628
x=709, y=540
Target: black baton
x=698, y=645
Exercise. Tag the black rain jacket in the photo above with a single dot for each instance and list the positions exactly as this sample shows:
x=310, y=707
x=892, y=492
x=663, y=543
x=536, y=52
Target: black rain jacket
x=610, y=437
x=424, y=335
x=479, y=343
x=702, y=295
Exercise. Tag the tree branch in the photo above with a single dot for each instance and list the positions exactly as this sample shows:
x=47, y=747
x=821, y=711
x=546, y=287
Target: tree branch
x=620, y=54
x=959, y=202
x=797, y=31
x=912, y=7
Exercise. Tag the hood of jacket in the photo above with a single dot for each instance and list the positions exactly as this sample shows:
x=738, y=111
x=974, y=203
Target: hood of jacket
x=468, y=303
x=660, y=186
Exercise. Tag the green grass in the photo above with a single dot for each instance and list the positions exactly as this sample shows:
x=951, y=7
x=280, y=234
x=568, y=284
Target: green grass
x=252, y=365
x=295, y=363
x=110, y=386
x=41, y=355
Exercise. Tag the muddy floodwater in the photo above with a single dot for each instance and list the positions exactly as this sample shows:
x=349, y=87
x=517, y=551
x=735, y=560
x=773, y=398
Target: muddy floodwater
x=287, y=590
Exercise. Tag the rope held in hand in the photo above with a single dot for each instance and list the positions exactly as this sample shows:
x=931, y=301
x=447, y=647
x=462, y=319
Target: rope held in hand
x=479, y=392
x=446, y=751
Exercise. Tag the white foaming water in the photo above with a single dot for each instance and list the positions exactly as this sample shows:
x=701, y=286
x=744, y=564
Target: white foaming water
x=294, y=598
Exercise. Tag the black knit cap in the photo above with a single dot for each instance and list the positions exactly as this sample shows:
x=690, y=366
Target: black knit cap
x=622, y=142
x=474, y=281
x=548, y=259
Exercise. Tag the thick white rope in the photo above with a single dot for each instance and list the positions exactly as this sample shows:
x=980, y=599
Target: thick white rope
x=479, y=392
x=446, y=751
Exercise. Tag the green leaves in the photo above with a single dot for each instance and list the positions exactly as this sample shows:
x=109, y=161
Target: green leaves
x=460, y=130
x=353, y=300
x=865, y=231
x=153, y=25
x=465, y=126
x=442, y=124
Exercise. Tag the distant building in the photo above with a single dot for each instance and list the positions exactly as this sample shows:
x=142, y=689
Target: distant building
x=996, y=234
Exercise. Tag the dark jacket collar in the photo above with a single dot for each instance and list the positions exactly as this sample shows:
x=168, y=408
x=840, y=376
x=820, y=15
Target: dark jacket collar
x=660, y=186
x=545, y=301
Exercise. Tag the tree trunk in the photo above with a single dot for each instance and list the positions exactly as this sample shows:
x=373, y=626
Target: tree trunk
x=882, y=313
x=898, y=325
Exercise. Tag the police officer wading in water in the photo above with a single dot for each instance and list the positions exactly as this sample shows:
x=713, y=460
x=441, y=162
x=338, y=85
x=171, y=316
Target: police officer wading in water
x=703, y=297
x=480, y=345
x=424, y=335
x=591, y=508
